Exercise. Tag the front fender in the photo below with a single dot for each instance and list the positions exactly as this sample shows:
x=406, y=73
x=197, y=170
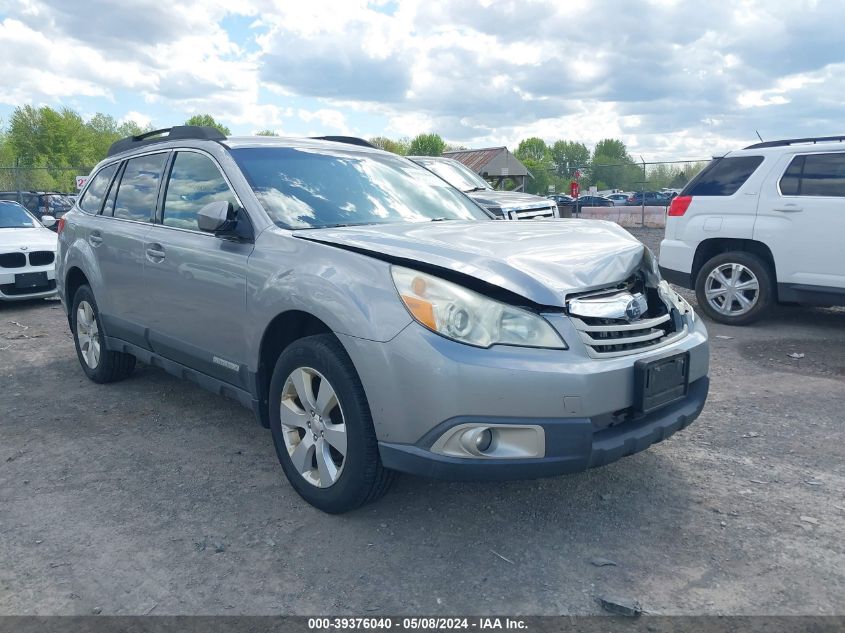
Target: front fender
x=351, y=293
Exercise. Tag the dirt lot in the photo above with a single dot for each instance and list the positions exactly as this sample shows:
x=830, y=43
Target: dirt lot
x=153, y=496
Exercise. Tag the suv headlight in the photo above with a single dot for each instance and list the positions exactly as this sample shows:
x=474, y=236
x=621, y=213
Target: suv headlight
x=468, y=317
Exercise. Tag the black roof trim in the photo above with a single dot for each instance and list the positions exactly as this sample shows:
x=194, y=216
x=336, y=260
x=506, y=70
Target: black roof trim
x=350, y=140
x=796, y=141
x=204, y=133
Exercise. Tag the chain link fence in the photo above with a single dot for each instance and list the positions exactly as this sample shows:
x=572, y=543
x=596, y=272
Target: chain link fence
x=46, y=179
x=42, y=190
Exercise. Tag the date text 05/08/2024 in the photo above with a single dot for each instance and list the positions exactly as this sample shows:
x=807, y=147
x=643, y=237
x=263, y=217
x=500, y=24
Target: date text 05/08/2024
x=419, y=623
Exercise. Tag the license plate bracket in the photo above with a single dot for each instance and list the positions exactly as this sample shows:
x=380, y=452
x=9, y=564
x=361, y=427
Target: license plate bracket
x=30, y=280
x=660, y=381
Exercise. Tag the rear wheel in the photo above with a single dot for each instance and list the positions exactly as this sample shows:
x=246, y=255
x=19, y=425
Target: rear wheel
x=99, y=364
x=322, y=427
x=734, y=288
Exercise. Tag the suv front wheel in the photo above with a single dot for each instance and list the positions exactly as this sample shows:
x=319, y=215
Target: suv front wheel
x=322, y=427
x=734, y=288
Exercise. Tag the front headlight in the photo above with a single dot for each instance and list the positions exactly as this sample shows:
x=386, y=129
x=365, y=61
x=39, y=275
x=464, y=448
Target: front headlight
x=468, y=317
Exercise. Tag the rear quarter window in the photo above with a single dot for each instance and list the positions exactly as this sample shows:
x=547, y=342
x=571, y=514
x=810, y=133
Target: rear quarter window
x=723, y=176
x=815, y=175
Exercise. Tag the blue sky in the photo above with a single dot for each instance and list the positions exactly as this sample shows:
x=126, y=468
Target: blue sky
x=673, y=79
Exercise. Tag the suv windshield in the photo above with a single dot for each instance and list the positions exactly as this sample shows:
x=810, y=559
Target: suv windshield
x=312, y=188
x=455, y=174
x=14, y=216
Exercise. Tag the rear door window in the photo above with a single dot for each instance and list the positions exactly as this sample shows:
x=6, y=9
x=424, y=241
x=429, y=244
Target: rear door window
x=815, y=175
x=723, y=176
x=93, y=198
x=194, y=182
x=138, y=191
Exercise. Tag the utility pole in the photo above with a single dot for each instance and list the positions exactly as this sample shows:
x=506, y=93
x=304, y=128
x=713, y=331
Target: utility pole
x=642, y=193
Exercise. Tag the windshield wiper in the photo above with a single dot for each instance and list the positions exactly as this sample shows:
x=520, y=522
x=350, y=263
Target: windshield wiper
x=474, y=189
x=441, y=219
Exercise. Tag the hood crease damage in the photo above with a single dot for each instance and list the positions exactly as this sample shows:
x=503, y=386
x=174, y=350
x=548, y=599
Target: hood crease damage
x=542, y=261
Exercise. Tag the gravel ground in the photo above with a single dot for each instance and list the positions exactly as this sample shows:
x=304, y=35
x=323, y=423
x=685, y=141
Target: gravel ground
x=153, y=496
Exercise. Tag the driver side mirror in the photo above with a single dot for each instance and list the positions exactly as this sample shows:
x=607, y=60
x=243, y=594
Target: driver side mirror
x=217, y=217
x=48, y=221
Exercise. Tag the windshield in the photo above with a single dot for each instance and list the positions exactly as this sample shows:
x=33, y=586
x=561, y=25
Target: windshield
x=303, y=188
x=14, y=216
x=456, y=174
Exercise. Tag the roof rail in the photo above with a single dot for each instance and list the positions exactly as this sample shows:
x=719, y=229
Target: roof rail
x=350, y=140
x=795, y=141
x=200, y=132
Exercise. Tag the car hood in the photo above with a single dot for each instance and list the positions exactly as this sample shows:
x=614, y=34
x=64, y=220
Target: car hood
x=36, y=238
x=509, y=200
x=543, y=261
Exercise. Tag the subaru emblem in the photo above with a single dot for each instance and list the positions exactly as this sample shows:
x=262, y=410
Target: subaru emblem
x=636, y=307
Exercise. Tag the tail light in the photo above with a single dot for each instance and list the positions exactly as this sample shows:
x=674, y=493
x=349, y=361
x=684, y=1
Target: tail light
x=60, y=225
x=679, y=205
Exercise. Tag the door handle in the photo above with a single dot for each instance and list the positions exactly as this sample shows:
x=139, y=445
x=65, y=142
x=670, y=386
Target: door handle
x=155, y=252
x=789, y=208
x=95, y=238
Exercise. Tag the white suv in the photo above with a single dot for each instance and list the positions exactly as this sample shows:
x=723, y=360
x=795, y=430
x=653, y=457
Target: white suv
x=760, y=225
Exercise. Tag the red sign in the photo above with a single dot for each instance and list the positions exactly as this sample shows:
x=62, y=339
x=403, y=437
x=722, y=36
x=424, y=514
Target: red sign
x=577, y=174
x=573, y=189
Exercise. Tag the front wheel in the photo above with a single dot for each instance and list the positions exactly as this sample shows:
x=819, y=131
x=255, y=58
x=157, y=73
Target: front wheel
x=322, y=428
x=734, y=288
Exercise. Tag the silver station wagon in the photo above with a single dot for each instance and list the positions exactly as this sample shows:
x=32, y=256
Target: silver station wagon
x=372, y=316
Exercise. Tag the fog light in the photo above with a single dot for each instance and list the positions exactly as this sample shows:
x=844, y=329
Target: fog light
x=477, y=440
x=483, y=440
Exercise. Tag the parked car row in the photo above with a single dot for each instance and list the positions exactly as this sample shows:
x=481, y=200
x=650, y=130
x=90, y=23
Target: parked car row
x=41, y=203
x=377, y=320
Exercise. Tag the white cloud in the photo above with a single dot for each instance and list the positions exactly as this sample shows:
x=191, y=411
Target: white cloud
x=134, y=116
x=673, y=79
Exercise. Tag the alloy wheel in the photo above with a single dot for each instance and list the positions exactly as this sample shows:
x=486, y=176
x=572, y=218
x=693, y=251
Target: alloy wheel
x=313, y=427
x=732, y=289
x=88, y=334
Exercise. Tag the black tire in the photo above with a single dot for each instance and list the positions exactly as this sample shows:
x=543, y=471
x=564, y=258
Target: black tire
x=764, y=296
x=112, y=366
x=362, y=478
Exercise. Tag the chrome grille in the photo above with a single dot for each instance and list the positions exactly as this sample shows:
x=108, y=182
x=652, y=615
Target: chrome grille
x=532, y=214
x=611, y=337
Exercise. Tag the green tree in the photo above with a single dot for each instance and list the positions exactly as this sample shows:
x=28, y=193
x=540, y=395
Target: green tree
x=541, y=176
x=426, y=145
x=613, y=168
x=535, y=155
x=266, y=133
x=612, y=148
x=567, y=156
x=208, y=121
x=534, y=149
x=389, y=145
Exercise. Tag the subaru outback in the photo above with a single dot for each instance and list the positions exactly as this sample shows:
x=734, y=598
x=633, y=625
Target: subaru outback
x=372, y=316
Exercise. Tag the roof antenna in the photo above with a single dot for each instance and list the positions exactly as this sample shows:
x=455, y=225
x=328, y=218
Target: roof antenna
x=758, y=136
